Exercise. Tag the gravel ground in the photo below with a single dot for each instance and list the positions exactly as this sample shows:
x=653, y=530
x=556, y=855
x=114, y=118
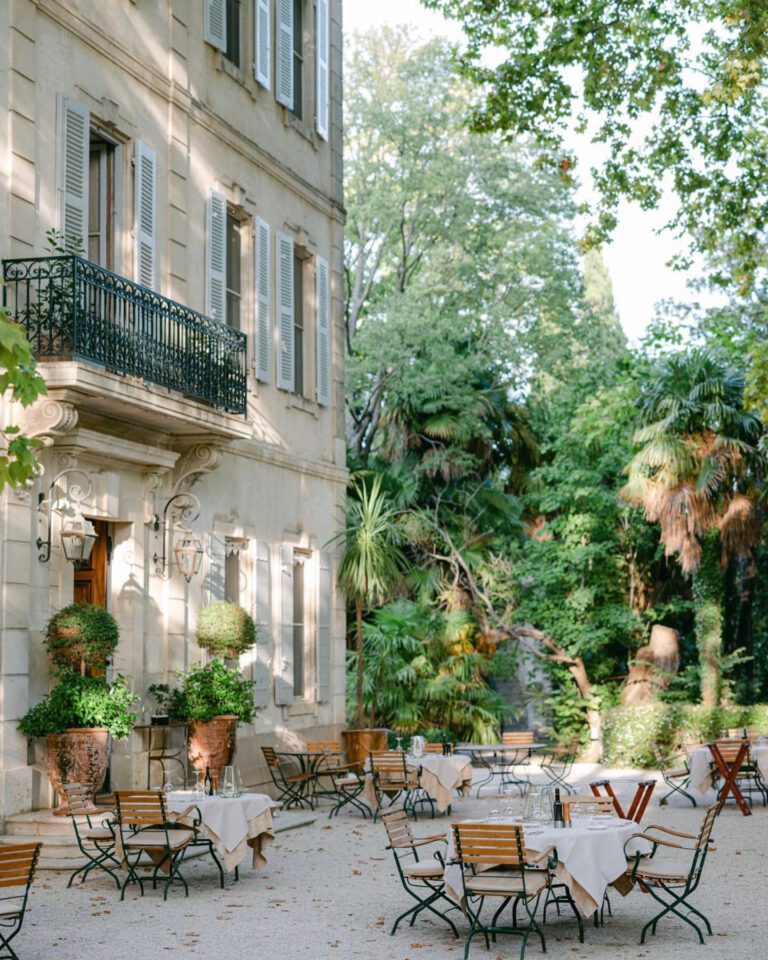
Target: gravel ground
x=330, y=891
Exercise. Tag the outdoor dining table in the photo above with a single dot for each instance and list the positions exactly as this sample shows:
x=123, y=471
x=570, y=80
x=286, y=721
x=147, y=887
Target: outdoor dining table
x=309, y=760
x=589, y=857
x=508, y=755
x=439, y=774
x=700, y=765
x=234, y=825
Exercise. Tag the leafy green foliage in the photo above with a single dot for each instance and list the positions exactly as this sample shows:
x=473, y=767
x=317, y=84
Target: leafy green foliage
x=225, y=629
x=77, y=702
x=82, y=633
x=423, y=671
x=207, y=691
x=18, y=375
x=672, y=90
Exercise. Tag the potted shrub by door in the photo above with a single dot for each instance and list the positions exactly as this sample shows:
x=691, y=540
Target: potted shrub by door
x=212, y=699
x=78, y=717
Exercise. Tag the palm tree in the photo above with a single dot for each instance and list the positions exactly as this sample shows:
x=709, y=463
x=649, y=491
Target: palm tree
x=372, y=562
x=694, y=476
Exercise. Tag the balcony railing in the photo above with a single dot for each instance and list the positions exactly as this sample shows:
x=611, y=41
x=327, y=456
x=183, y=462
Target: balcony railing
x=72, y=308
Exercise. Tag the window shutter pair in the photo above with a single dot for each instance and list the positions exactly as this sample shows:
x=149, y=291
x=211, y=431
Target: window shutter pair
x=215, y=13
x=216, y=257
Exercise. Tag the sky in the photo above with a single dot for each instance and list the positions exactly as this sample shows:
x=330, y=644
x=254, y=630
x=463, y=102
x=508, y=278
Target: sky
x=637, y=256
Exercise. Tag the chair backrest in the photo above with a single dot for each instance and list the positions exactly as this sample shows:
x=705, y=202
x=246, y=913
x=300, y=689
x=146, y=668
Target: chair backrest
x=388, y=765
x=139, y=808
x=323, y=746
x=438, y=748
x=17, y=863
x=271, y=757
x=398, y=828
x=79, y=800
x=589, y=806
x=517, y=737
x=707, y=824
x=729, y=749
x=501, y=844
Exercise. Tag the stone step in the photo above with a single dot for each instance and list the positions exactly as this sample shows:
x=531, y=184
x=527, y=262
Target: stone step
x=60, y=850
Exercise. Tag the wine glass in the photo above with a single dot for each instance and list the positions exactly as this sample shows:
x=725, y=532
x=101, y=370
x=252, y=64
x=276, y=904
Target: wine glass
x=167, y=781
x=398, y=741
x=199, y=785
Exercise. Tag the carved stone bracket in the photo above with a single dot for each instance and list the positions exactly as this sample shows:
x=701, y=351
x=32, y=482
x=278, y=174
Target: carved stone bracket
x=198, y=460
x=153, y=481
x=49, y=419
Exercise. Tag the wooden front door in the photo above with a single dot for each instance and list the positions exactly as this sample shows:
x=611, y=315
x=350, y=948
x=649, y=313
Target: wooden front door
x=91, y=575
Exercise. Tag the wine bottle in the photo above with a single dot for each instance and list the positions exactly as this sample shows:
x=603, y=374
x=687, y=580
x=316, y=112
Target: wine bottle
x=207, y=783
x=557, y=808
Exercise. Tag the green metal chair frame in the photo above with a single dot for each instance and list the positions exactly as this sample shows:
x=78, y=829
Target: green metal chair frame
x=676, y=778
x=101, y=839
x=557, y=764
x=501, y=844
x=294, y=788
x=17, y=869
x=339, y=783
x=426, y=890
x=393, y=779
x=672, y=887
x=143, y=812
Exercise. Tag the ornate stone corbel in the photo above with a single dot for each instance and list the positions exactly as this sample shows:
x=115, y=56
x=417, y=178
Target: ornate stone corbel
x=152, y=483
x=49, y=419
x=198, y=460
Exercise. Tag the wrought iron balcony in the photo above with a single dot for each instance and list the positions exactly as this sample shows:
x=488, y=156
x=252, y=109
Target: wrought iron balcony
x=74, y=309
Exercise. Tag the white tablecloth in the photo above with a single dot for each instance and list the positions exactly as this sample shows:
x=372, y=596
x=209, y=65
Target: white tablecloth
x=234, y=825
x=440, y=775
x=587, y=860
x=700, y=760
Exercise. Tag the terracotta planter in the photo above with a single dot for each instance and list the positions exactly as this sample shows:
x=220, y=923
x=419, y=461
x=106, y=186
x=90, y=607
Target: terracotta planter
x=78, y=756
x=359, y=743
x=212, y=744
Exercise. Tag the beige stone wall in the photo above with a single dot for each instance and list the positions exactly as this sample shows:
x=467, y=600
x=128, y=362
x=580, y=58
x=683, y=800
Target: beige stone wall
x=276, y=475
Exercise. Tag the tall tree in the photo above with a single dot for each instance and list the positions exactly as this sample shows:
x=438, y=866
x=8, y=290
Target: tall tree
x=674, y=91
x=694, y=476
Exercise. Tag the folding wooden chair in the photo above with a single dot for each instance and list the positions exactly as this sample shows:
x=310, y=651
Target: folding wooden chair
x=394, y=780
x=294, y=788
x=675, y=777
x=511, y=879
x=17, y=870
x=97, y=844
x=670, y=883
x=341, y=784
x=557, y=764
x=438, y=748
x=421, y=879
x=146, y=829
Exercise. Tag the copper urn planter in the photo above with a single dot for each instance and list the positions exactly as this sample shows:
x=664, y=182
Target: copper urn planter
x=79, y=755
x=212, y=743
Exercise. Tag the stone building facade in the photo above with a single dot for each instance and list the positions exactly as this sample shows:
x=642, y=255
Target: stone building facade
x=189, y=151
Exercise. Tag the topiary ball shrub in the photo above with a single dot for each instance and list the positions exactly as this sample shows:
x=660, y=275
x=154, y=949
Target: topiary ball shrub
x=225, y=629
x=82, y=634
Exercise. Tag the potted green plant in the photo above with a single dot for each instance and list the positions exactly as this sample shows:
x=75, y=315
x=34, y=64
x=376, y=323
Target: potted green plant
x=82, y=636
x=78, y=717
x=225, y=630
x=212, y=699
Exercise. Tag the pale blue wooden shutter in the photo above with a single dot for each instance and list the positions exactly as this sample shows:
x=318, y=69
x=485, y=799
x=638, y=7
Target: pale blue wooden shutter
x=262, y=673
x=323, y=325
x=216, y=257
x=263, y=302
x=215, y=13
x=324, y=610
x=284, y=58
x=285, y=358
x=145, y=178
x=284, y=656
x=215, y=581
x=262, y=46
x=322, y=83
x=75, y=139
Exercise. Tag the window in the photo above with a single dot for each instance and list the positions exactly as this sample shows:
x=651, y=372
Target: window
x=298, y=56
x=232, y=32
x=233, y=269
x=298, y=325
x=101, y=203
x=232, y=574
x=299, y=632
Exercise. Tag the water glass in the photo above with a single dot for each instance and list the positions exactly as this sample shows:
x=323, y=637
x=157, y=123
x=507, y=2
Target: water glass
x=167, y=781
x=199, y=785
x=238, y=783
x=228, y=785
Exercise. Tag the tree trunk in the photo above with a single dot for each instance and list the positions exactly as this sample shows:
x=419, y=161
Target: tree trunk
x=708, y=618
x=650, y=671
x=359, y=615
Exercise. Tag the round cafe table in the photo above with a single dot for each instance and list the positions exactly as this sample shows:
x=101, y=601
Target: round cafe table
x=505, y=755
x=588, y=859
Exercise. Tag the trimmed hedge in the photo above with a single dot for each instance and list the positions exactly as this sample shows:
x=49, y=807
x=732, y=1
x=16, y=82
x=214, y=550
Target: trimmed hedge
x=629, y=732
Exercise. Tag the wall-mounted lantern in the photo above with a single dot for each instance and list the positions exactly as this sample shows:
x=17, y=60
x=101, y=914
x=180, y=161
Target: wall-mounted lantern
x=77, y=534
x=187, y=550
